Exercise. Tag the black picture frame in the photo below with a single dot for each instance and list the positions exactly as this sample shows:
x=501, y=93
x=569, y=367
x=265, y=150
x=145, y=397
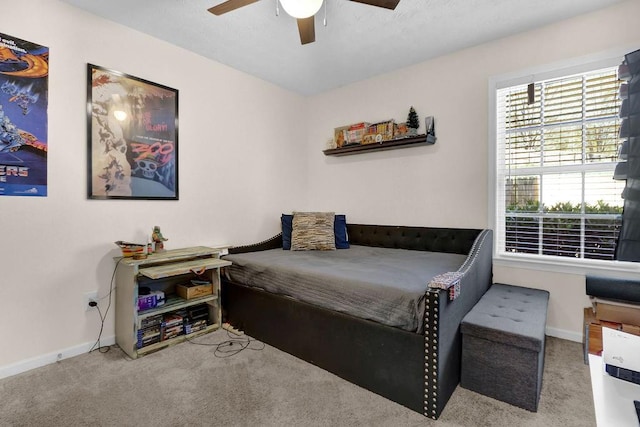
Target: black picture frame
x=132, y=134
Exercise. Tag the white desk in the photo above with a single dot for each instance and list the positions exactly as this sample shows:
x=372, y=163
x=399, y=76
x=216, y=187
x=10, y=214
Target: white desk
x=612, y=397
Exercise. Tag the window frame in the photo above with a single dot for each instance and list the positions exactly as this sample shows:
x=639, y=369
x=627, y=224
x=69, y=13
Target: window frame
x=621, y=269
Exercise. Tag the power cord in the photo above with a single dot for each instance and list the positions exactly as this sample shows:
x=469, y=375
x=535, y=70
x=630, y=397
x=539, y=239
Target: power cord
x=232, y=346
x=100, y=348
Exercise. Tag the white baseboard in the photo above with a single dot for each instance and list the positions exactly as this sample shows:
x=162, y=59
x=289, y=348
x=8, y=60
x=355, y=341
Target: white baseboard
x=47, y=359
x=564, y=334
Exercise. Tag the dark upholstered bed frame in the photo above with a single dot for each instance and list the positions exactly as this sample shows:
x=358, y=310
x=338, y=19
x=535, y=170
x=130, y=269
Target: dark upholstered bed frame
x=419, y=371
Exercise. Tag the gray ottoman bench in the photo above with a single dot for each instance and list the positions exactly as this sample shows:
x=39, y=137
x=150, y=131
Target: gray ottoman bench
x=503, y=345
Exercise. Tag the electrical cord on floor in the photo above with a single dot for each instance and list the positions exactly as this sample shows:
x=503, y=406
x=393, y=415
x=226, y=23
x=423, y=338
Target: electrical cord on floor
x=100, y=348
x=232, y=346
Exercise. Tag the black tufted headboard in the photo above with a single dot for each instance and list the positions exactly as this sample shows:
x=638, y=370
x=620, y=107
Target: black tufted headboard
x=449, y=240
x=431, y=239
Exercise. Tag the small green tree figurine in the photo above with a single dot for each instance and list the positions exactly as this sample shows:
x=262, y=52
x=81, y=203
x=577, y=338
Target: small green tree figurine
x=413, y=122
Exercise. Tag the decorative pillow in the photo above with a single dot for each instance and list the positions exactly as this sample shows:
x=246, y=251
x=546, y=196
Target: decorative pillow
x=313, y=231
x=339, y=229
x=287, y=226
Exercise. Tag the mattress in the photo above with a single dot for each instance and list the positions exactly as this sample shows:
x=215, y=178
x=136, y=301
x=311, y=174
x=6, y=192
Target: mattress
x=379, y=284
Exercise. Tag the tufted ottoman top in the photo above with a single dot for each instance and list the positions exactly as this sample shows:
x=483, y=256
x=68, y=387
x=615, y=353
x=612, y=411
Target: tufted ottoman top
x=510, y=315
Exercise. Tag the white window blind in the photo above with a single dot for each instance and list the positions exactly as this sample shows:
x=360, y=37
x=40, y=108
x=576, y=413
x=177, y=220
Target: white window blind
x=555, y=161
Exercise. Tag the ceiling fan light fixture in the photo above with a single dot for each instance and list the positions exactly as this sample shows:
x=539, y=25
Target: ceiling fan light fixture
x=301, y=9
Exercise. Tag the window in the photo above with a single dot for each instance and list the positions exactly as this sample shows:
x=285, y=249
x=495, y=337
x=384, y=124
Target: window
x=557, y=148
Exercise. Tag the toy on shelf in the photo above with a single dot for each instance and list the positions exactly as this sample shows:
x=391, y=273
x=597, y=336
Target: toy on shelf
x=158, y=239
x=413, y=121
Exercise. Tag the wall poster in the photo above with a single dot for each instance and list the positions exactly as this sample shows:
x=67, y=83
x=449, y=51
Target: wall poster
x=133, y=137
x=24, y=84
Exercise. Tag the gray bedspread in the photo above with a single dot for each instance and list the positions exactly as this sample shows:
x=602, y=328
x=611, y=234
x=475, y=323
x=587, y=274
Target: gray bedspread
x=379, y=284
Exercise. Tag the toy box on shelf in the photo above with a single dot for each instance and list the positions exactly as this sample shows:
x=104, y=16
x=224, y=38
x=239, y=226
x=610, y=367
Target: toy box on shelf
x=194, y=289
x=379, y=132
x=350, y=134
x=614, y=315
x=355, y=132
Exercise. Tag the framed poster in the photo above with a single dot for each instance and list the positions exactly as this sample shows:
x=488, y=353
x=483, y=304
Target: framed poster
x=24, y=86
x=133, y=137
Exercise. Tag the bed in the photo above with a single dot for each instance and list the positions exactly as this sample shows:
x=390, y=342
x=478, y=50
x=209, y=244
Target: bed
x=300, y=303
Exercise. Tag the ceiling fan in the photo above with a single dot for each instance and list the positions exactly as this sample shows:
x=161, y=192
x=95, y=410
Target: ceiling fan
x=303, y=10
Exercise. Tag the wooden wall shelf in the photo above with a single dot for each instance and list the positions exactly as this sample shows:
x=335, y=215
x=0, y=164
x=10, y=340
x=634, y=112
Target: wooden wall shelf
x=412, y=141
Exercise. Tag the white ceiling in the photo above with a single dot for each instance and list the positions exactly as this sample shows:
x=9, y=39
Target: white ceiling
x=358, y=42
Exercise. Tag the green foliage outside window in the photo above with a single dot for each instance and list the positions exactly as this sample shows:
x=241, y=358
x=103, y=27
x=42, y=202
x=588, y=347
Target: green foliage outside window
x=600, y=207
x=562, y=236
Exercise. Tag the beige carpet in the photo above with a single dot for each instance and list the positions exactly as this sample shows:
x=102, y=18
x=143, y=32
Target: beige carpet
x=187, y=385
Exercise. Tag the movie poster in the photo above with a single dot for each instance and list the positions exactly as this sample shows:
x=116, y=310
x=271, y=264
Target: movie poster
x=133, y=139
x=24, y=73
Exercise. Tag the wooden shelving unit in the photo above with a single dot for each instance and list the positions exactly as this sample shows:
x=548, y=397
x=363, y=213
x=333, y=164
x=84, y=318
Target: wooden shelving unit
x=163, y=271
x=394, y=144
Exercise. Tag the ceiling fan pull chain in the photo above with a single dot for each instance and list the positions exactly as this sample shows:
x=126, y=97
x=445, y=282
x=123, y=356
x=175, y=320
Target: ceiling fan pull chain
x=324, y=21
x=277, y=7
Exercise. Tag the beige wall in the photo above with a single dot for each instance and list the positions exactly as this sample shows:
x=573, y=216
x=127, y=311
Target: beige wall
x=243, y=160
x=447, y=184
x=237, y=136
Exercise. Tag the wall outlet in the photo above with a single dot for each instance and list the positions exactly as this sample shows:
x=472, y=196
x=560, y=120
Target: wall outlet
x=88, y=297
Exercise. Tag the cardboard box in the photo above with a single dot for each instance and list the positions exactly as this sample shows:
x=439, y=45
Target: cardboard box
x=595, y=335
x=194, y=290
x=631, y=329
x=594, y=343
x=147, y=302
x=592, y=339
x=592, y=334
x=618, y=313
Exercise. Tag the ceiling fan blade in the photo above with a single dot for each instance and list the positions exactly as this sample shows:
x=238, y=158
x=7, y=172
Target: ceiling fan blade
x=387, y=4
x=229, y=5
x=306, y=27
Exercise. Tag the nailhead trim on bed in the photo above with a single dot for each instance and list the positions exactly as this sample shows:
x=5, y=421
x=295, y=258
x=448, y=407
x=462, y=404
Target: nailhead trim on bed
x=431, y=355
x=273, y=242
x=431, y=335
x=475, y=248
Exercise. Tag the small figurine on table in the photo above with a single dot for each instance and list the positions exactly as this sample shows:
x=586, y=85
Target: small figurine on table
x=158, y=239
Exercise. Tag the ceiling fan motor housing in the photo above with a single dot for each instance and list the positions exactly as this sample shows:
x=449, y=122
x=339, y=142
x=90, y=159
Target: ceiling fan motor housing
x=302, y=10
